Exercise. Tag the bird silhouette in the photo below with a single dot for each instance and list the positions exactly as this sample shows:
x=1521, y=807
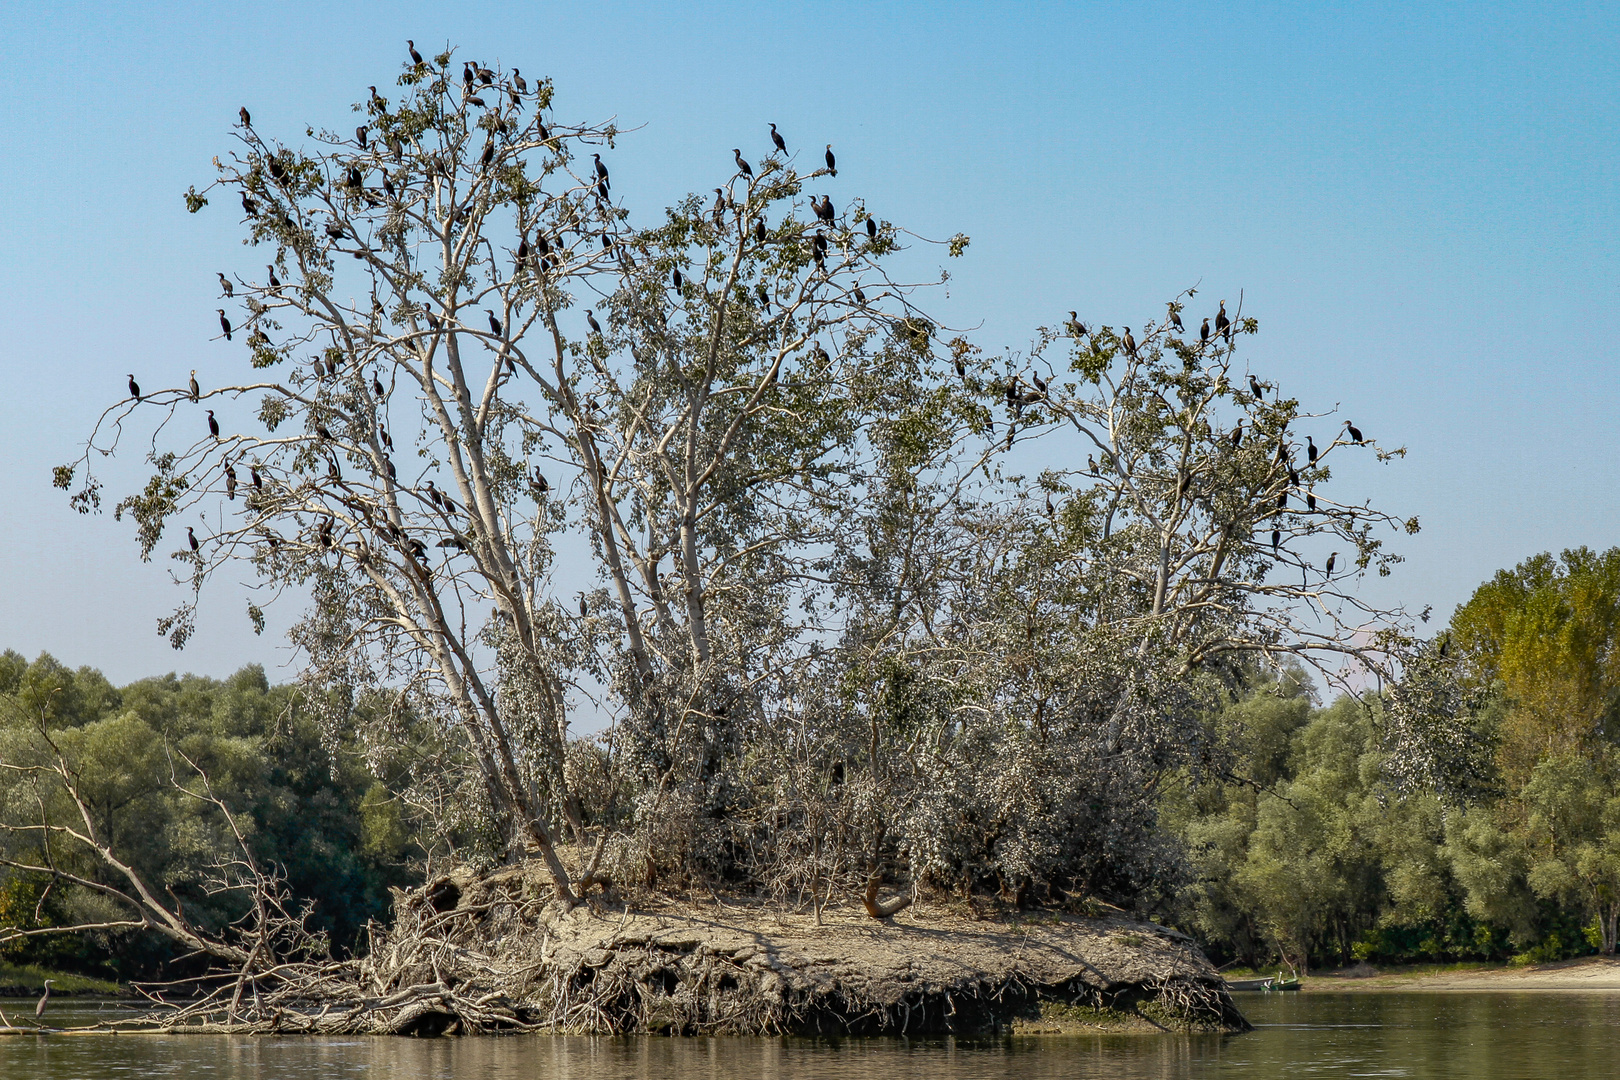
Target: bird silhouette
x=1310, y=450
x=1255, y=388
x=416, y=57
x=742, y=166
x=494, y=323
x=590, y=319
x=1175, y=320
x=602, y=171
x=134, y=388
x=1223, y=325
x=213, y=425
x=224, y=323
x=776, y=137
x=1354, y=433
x=832, y=162
x=1129, y=342
x=247, y=117
x=226, y=286
x=1333, y=558
x=191, y=538
x=195, y=391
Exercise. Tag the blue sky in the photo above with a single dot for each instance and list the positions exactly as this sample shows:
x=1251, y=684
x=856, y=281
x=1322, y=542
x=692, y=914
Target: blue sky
x=1419, y=203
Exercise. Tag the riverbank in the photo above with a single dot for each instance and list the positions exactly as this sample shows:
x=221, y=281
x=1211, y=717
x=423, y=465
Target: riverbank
x=1589, y=973
x=29, y=982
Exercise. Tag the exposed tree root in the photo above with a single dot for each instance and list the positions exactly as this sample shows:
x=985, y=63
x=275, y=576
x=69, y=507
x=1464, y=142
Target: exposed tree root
x=472, y=954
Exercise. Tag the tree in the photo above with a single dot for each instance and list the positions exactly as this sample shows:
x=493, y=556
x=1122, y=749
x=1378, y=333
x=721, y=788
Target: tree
x=837, y=642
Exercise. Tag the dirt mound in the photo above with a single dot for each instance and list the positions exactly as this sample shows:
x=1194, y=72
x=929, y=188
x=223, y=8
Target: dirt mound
x=737, y=968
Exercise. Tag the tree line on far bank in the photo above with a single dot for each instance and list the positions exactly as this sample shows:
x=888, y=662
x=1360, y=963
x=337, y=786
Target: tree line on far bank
x=1307, y=852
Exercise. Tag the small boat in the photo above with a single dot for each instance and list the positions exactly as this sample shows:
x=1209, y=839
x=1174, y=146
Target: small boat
x=1250, y=984
x=1283, y=984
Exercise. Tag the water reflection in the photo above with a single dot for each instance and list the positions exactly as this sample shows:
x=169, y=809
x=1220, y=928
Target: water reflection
x=1568, y=1036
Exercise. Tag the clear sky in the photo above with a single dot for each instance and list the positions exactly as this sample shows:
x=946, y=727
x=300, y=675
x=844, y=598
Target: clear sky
x=1419, y=202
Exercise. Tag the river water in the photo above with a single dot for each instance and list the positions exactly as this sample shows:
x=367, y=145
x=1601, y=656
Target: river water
x=1564, y=1036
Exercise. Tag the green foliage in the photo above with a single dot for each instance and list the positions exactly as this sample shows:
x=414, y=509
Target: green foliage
x=307, y=806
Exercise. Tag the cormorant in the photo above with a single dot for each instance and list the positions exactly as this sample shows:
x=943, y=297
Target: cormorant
x=776, y=137
x=230, y=483
x=582, y=608
x=191, y=538
x=377, y=386
x=249, y=207
x=434, y=495
x=860, y=297
x=322, y=433
x=1255, y=388
x=759, y=231
x=1333, y=558
x=1445, y=646
x=416, y=57
x=134, y=388
x=388, y=466
x=1076, y=327
x=488, y=155
x=1049, y=510
x=474, y=99
x=253, y=474
x=1310, y=450
x=824, y=209
x=494, y=323
x=832, y=162
x=275, y=282
x=1223, y=325
x=277, y=172
x=590, y=320
x=376, y=100
x=213, y=425
x=1310, y=500
x=742, y=166
x=1354, y=433
x=602, y=171
x=675, y=278
x=1293, y=477
x=961, y=369
x=519, y=82
x=1175, y=321
x=1237, y=435
x=1282, y=500
x=1276, y=538
x=354, y=178
x=1128, y=342
x=1203, y=332
x=523, y=250
x=226, y=286
x=247, y=118
x=820, y=241
x=485, y=75
x=195, y=390
x=540, y=483
x=1040, y=384
x=871, y=228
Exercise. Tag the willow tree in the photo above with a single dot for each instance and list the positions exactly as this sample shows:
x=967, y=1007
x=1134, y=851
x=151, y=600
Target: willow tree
x=433, y=408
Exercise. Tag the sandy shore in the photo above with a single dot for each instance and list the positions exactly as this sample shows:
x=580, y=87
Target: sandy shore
x=1600, y=973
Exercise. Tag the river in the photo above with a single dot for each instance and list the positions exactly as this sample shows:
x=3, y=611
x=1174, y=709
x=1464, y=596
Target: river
x=1563, y=1035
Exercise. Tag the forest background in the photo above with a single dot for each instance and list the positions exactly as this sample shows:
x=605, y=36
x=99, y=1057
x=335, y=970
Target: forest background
x=1306, y=853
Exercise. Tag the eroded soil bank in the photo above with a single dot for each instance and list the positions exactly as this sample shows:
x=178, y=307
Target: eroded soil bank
x=735, y=968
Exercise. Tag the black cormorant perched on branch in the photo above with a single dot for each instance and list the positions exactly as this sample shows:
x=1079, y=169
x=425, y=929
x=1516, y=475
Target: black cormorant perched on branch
x=226, y=286
x=1237, y=435
x=590, y=320
x=519, y=83
x=1255, y=388
x=416, y=57
x=224, y=323
x=776, y=137
x=230, y=483
x=742, y=166
x=247, y=117
x=1354, y=433
x=494, y=323
x=1333, y=558
x=1203, y=332
x=871, y=228
x=275, y=283
x=1175, y=320
x=1276, y=538
x=1128, y=342
x=1310, y=500
x=213, y=425
x=1077, y=329
x=193, y=390
x=832, y=162
x=602, y=171
x=258, y=481
x=249, y=207
x=675, y=278
x=1310, y=450
x=1223, y=325
x=191, y=538
x=134, y=388
x=759, y=230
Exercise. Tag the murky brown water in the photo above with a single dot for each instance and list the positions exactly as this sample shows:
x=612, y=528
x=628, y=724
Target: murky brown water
x=1564, y=1036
